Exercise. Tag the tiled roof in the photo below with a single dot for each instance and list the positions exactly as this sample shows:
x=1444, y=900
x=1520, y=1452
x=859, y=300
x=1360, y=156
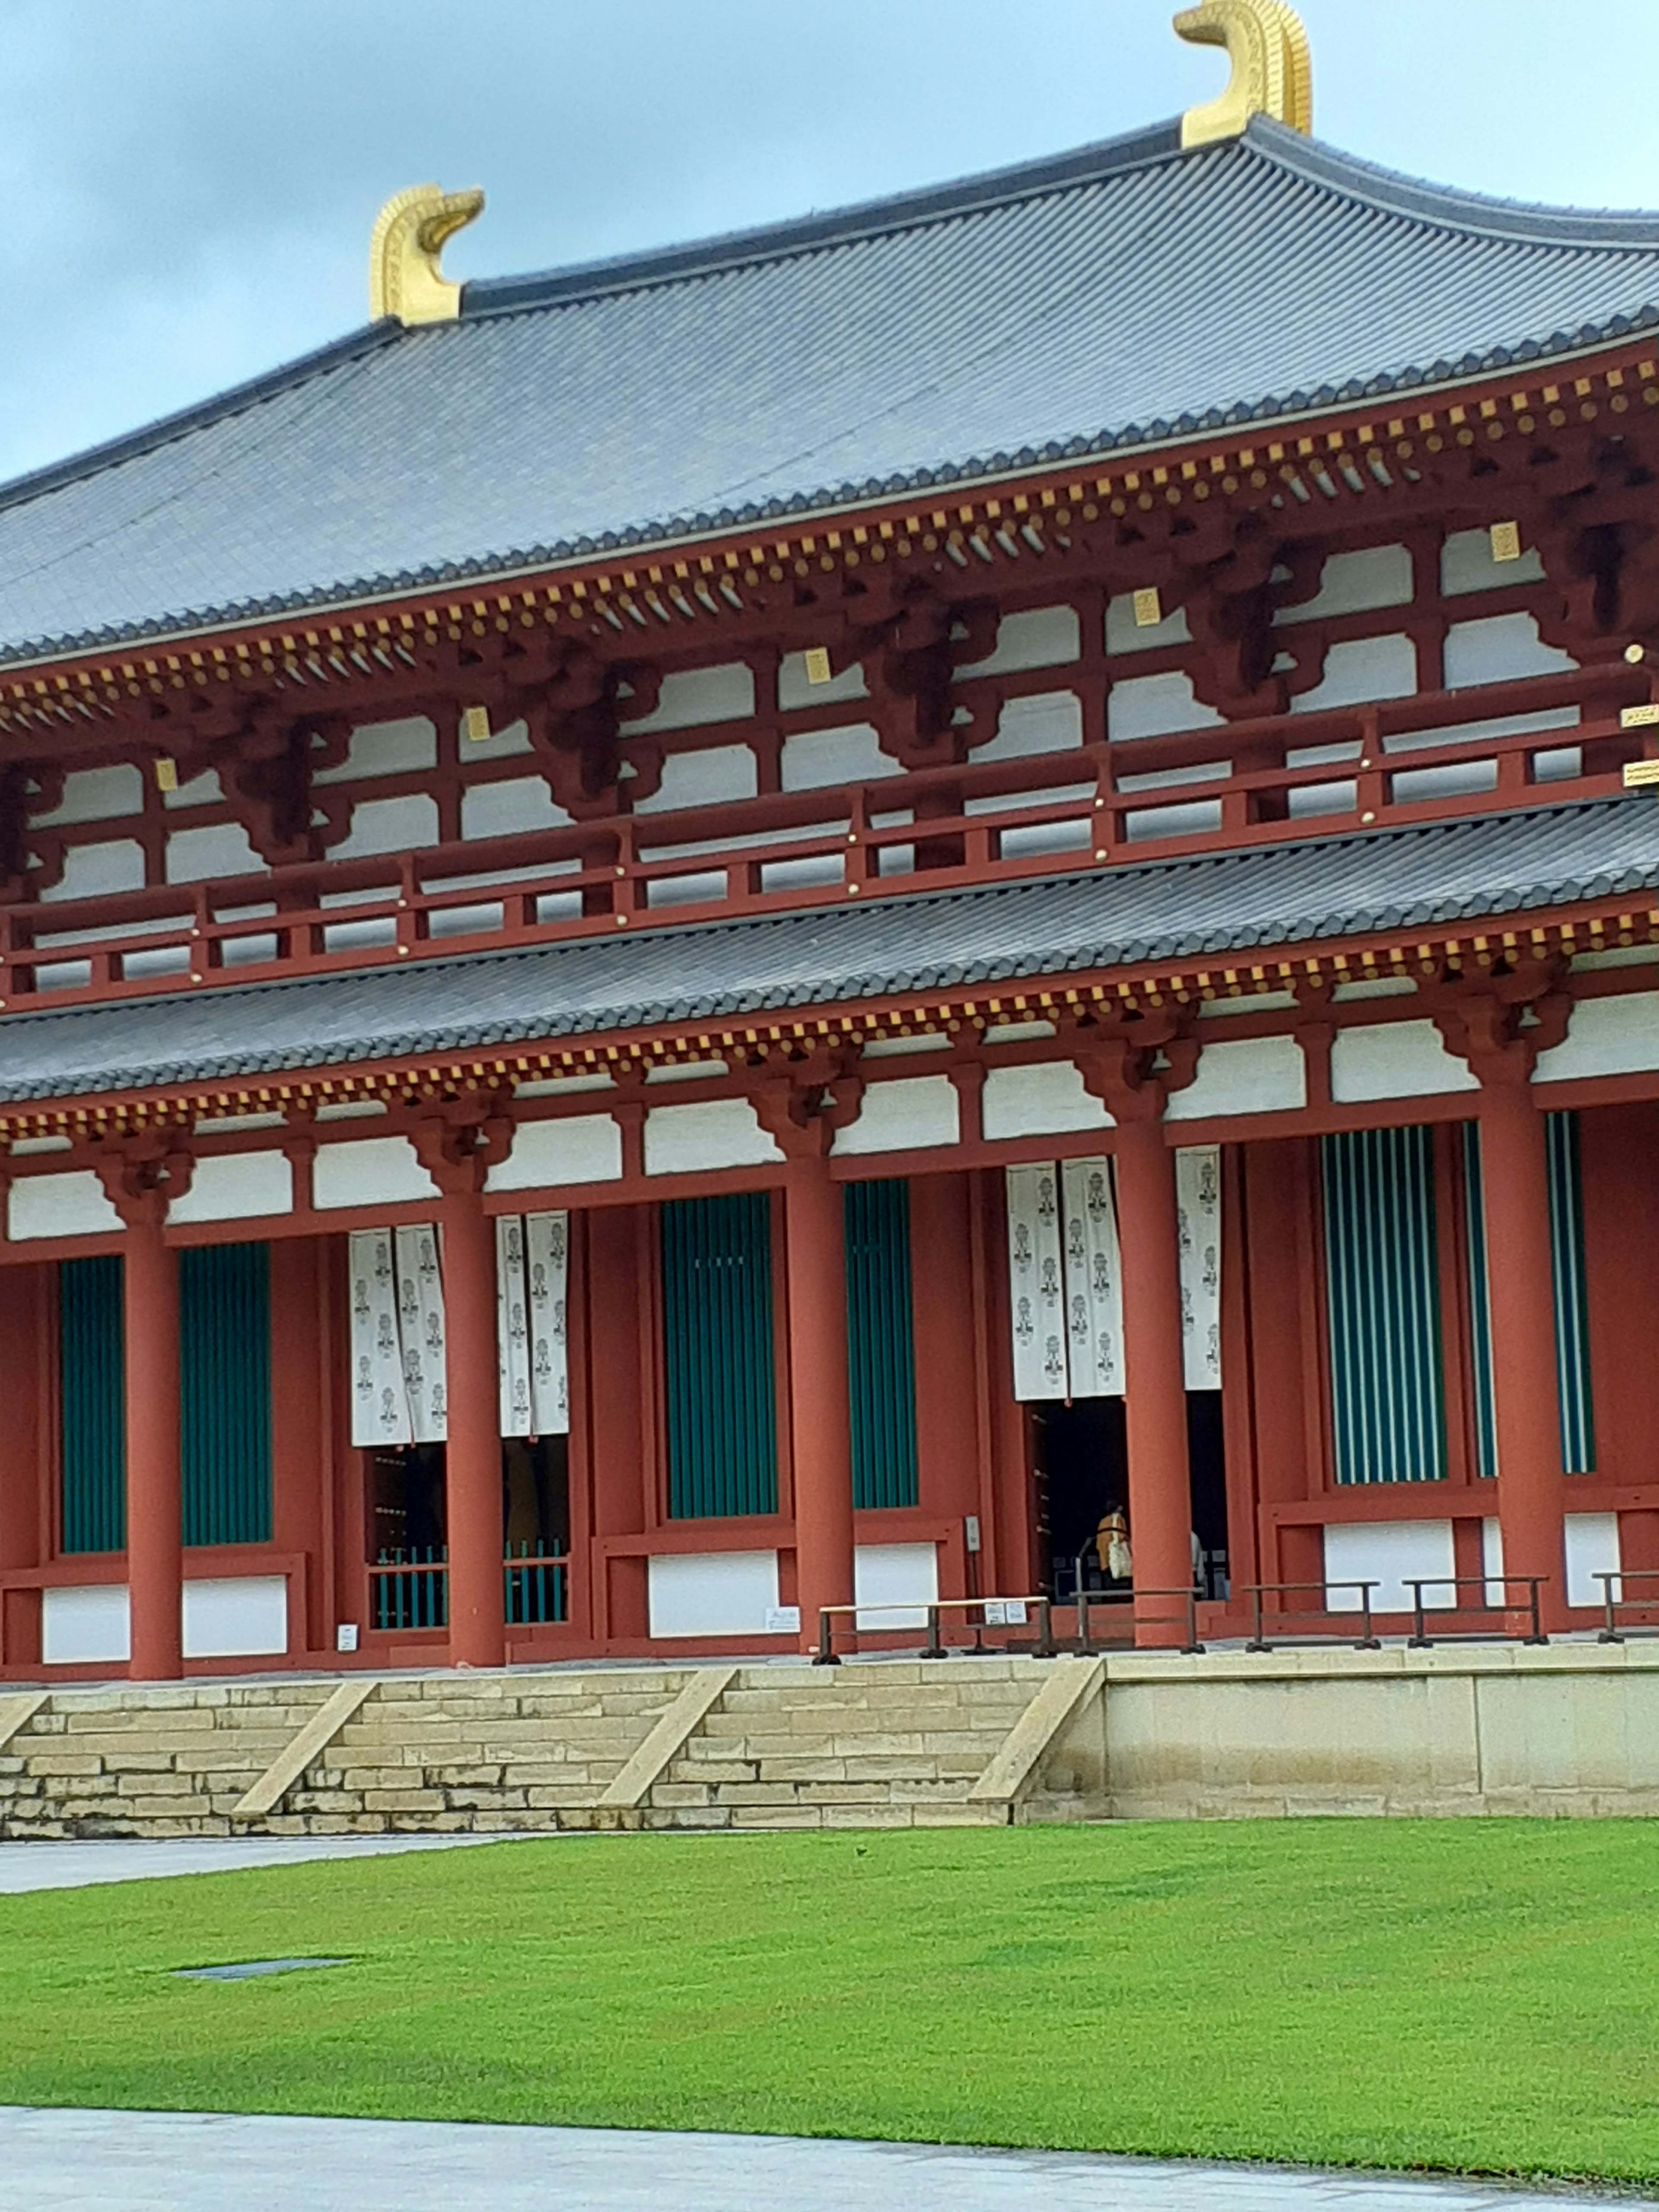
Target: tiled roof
x=1441, y=873
x=1110, y=298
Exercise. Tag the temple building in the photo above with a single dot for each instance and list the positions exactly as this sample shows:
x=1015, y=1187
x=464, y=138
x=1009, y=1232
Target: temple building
x=955, y=901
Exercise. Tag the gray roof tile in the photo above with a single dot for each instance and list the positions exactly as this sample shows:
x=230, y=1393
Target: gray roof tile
x=1112, y=297
x=1443, y=872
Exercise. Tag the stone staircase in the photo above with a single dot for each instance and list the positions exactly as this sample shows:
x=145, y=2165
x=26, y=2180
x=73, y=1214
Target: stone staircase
x=888, y=1743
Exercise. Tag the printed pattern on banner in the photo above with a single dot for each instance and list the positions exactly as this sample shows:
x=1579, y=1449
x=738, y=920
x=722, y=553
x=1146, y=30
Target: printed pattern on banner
x=547, y=1258
x=1094, y=1280
x=421, y=1325
x=1197, y=1196
x=512, y=1326
x=1037, y=1284
x=380, y=1401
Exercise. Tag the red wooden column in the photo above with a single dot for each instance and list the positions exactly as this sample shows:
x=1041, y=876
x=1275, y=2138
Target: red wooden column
x=1484, y=1023
x=141, y=1179
x=1124, y=1070
x=803, y=1108
x=820, y=1401
x=457, y=1150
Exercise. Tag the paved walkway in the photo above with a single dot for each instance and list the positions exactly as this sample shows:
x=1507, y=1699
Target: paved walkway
x=74, y=1866
x=156, y=2162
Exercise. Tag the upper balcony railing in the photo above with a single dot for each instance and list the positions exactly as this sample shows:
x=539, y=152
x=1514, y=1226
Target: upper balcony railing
x=1232, y=785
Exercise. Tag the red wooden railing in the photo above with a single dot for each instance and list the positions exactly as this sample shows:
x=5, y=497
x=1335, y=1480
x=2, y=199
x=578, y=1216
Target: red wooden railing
x=938, y=828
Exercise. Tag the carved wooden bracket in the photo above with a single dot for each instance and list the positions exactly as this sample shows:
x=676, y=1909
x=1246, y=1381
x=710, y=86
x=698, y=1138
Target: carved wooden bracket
x=1499, y=1025
x=1132, y=1067
x=462, y=1140
x=143, y=1175
x=802, y=1108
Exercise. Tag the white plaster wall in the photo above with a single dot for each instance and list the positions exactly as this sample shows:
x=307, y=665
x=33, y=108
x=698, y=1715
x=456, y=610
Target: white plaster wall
x=818, y=760
x=691, y=696
x=1592, y=1548
x=85, y=1626
x=95, y=870
x=1157, y=706
x=888, y=1576
x=1467, y=565
x=1394, y=1060
x=1244, y=1075
x=718, y=1133
x=389, y=825
x=235, y=1616
x=1362, y=669
x=1041, y=637
x=585, y=1148
x=71, y=1204
x=1353, y=583
x=1606, y=1036
x=236, y=1187
x=705, y=778
x=216, y=849
x=369, y=1171
x=712, y=1593
x=904, y=1116
x=1047, y=1098
x=385, y=748
x=1497, y=648
x=515, y=804
x=1049, y=722
x=95, y=794
x=1386, y=1551
x=1124, y=633
x=795, y=688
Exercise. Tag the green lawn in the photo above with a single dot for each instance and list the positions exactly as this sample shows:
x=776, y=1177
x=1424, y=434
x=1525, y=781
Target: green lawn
x=1478, y=1994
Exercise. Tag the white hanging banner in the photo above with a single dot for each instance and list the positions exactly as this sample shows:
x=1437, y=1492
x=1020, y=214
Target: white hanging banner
x=1197, y=1196
x=547, y=1258
x=1094, y=1280
x=1036, y=1285
x=512, y=1326
x=420, y=1324
x=379, y=1401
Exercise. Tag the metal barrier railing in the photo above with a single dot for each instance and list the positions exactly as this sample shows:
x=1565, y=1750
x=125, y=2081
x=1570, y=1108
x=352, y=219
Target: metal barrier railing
x=1613, y=1606
x=1420, y=1640
x=1044, y=1647
x=1088, y=1603
x=1367, y=1639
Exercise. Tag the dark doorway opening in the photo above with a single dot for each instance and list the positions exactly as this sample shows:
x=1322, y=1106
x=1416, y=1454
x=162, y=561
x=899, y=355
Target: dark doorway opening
x=408, y=1533
x=1081, y=1464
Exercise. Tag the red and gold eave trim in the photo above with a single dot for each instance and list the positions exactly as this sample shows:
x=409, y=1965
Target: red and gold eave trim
x=964, y=1015
x=657, y=592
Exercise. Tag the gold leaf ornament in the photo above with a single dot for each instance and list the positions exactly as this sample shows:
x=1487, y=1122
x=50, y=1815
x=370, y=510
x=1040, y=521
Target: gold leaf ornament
x=1267, y=44
x=405, y=273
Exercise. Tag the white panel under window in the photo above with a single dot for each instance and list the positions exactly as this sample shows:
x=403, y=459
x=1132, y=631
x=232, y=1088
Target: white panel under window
x=547, y=1260
x=1094, y=1280
x=1157, y=706
x=1354, y=583
x=421, y=1331
x=546, y=1155
x=1388, y=1553
x=379, y=1401
x=235, y=1616
x=896, y=1583
x=1605, y=1037
x=1394, y=1060
x=510, y=807
x=368, y=1171
x=707, y=778
x=1467, y=565
x=217, y=849
x=1592, y=1545
x=1036, y=1296
x=691, y=696
x=1499, y=649
x=1043, y=637
x=1050, y=722
x=1361, y=670
x=86, y=1626
x=718, y=1133
x=512, y=1326
x=1244, y=1075
x=236, y=1187
x=1198, y=1201
x=712, y=1593
x=71, y=1204
x=905, y=1115
x=819, y=760
x=1043, y=1098
x=385, y=748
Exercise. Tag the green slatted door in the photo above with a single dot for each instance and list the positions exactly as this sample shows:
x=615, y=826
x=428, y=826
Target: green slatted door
x=224, y=1348
x=1382, y=1289
x=717, y=1317
x=881, y=1344
x=1572, y=1367
x=92, y=1417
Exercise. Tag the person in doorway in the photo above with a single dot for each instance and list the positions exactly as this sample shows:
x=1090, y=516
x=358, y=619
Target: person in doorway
x=1112, y=1545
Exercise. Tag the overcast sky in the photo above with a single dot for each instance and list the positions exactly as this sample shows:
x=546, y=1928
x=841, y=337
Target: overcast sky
x=192, y=183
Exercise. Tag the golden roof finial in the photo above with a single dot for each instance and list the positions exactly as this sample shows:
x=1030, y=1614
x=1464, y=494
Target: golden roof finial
x=404, y=278
x=1272, y=67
